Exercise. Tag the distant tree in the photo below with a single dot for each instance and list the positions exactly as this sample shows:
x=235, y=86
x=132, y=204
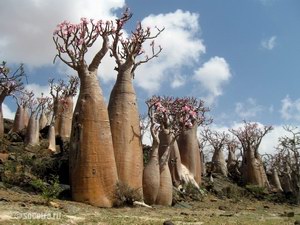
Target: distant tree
x=22, y=116
x=233, y=166
x=62, y=100
x=250, y=136
x=202, y=143
x=65, y=114
x=10, y=83
x=272, y=164
x=217, y=141
x=232, y=145
x=289, y=159
x=93, y=173
x=33, y=129
x=123, y=108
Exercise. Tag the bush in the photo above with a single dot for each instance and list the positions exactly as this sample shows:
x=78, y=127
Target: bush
x=233, y=192
x=14, y=173
x=257, y=191
x=48, y=190
x=193, y=192
x=125, y=195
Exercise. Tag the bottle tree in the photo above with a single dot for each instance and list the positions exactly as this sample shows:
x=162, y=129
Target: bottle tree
x=35, y=104
x=65, y=114
x=62, y=109
x=217, y=141
x=93, y=173
x=250, y=136
x=10, y=83
x=122, y=108
x=169, y=118
x=188, y=141
x=288, y=161
x=22, y=116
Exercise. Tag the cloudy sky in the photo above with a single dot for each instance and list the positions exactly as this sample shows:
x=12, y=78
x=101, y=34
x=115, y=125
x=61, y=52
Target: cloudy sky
x=241, y=57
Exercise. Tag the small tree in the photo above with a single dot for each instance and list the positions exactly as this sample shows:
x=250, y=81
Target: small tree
x=22, y=116
x=272, y=163
x=62, y=109
x=123, y=108
x=33, y=130
x=93, y=173
x=250, y=136
x=218, y=141
x=233, y=165
x=10, y=83
x=65, y=114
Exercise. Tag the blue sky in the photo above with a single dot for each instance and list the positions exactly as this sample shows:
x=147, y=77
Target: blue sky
x=241, y=56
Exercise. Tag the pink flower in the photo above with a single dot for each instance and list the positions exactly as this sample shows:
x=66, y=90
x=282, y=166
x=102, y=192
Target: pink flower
x=186, y=108
x=158, y=104
x=193, y=114
x=80, y=41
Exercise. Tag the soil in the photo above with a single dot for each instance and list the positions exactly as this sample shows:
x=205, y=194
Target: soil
x=20, y=207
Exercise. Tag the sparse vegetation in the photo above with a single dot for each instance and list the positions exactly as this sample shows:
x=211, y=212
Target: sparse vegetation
x=125, y=195
x=49, y=189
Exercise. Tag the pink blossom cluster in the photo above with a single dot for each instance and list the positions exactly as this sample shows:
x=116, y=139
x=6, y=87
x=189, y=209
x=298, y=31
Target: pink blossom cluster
x=74, y=39
x=177, y=114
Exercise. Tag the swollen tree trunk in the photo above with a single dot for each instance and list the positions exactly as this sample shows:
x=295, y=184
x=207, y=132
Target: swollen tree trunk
x=175, y=164
x=51, y=138
x=203, y=166
x=174, y=157
x=93, y=173
x=32, y=132
x=1, y=122
x=218, y=163
x=165, y=194
x=125, y=129
x=43, y=120
x=231, y=161
x=65, y=123
x=57, y=112
x=189, y=152
x=276, y=180
x=253, y=170
x=151, y=175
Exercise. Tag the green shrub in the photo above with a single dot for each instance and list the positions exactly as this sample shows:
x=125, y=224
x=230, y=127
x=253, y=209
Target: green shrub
x=48, y=190
x=257, y=191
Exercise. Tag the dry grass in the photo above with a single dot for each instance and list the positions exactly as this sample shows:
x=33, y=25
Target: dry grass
x=15, y=203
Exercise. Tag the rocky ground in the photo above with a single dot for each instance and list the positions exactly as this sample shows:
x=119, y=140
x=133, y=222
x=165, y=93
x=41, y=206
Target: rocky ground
x=19, y=207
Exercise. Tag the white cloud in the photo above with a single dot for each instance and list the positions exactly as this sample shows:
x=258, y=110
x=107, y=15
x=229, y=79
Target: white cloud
x=248, y=109
x=212, y=75
x=270, y=141
x=38, y=89
x=7, y=113
x=27, y=26
x=181, y=47
x=269, y=43
x=178, y=81
x=290, y=110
